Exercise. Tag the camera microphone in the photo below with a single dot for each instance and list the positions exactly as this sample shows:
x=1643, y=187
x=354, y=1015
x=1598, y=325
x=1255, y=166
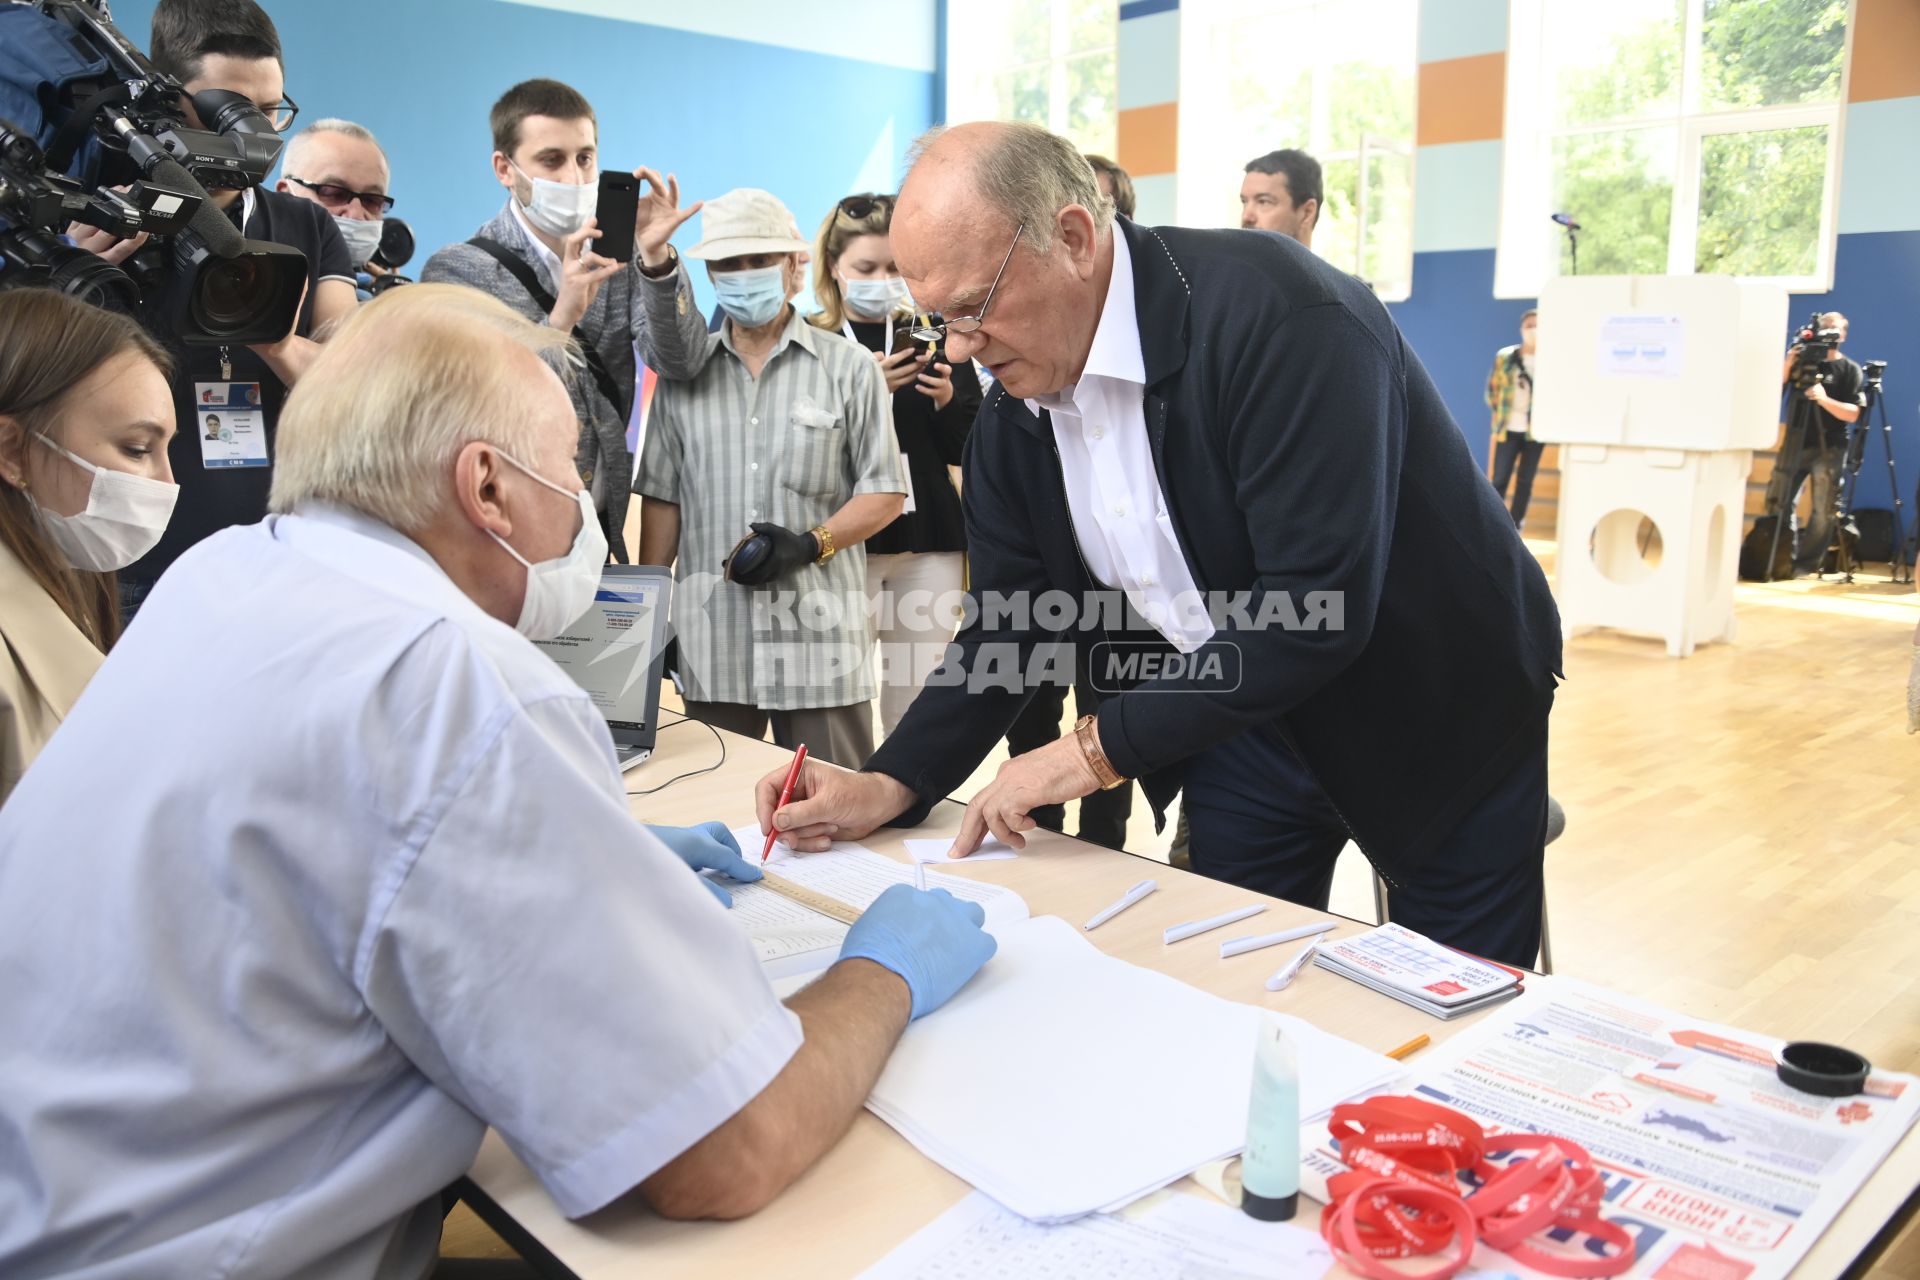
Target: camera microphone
x=1566, y=220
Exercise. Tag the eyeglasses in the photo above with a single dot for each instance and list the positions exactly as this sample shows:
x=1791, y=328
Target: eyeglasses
x=972, y=323
x=281, y=114
x=863, y=205
x=337, y=197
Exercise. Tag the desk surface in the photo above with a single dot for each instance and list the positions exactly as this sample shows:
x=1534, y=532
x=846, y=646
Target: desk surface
x=873, y=1190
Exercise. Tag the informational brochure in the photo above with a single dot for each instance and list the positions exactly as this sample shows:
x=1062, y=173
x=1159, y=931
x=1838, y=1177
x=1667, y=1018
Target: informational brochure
x=1714, y=1166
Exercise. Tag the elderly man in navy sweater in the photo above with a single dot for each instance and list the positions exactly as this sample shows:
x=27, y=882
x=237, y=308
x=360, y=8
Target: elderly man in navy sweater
x=1285, y=568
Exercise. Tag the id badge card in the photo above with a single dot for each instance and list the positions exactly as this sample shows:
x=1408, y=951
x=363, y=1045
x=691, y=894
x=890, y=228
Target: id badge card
x=231, y=424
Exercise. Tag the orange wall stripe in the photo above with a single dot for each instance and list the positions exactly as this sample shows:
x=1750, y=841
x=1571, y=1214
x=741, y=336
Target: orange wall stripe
x=1886, y=50
x=1149, y=139
x=1462, y=100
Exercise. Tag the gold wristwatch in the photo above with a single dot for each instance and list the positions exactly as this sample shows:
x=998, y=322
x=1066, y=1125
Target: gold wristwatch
x=1103, y=769
x=824, y=537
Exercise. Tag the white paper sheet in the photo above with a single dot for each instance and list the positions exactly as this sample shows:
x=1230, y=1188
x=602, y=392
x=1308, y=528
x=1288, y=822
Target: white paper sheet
x=793, y=939
x=1178, y=1238
x=1016, y=1086
x=990, y=850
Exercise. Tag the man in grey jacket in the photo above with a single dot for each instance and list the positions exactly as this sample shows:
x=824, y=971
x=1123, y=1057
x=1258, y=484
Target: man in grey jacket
x=546, y=154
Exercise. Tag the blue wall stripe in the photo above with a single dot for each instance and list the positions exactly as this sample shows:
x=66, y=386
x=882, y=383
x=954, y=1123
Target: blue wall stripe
x=1461, y=28
x=1879, y=182
x=1456, y=197
x=1148, y=58
x=1142, y=8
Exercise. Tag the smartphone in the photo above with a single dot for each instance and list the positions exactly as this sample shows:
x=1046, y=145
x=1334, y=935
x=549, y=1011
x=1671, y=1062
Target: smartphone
x=903, y=328
x=619, y=205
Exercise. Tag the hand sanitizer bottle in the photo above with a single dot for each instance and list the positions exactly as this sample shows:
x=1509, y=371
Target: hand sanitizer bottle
x=1270, y=1169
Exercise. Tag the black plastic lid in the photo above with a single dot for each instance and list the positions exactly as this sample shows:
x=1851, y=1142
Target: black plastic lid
x=1268, y=1208
x=1823, y=1069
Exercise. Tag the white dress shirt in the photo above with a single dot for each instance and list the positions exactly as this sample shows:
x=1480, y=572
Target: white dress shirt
x=1113, y=493
x=328, y=871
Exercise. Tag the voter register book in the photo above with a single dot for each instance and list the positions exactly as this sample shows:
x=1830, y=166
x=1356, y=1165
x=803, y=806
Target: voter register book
x=1416, y=970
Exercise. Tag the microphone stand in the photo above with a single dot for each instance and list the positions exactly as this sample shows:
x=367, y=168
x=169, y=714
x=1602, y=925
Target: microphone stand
x=1573, y=246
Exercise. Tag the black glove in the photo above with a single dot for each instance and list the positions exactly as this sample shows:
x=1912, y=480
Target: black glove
x=771, y=552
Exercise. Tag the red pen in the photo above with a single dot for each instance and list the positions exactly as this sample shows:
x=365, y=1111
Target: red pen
x=786, y=794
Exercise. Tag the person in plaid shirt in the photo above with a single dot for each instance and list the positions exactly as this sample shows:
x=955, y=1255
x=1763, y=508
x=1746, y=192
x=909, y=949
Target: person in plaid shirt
x=1510, y=396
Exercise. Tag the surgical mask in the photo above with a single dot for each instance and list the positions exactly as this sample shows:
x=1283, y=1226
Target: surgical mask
x=559, y=208
x=362, y=237
x=877, y=298
x=754, y=297
x=558, y=591
x=124, y=516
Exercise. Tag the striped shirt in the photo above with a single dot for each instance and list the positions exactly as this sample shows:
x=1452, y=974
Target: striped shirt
x=790, y=447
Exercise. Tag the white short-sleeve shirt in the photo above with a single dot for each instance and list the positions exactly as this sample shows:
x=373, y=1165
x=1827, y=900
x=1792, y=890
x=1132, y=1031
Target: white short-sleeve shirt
x=327, y=872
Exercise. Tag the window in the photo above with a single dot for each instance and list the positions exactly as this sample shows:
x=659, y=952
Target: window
x=1335, y=78
x=1686, y=137
x=1047, y=62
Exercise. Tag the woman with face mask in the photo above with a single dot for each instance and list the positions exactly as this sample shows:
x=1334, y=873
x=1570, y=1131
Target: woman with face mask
x=917, y=563
x=85, y=490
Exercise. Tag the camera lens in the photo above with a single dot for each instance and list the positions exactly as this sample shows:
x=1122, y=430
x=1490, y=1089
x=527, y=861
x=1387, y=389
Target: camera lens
x=250, y=298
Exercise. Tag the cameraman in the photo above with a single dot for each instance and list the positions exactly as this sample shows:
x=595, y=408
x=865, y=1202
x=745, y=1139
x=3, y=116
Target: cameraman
x=1835, y=397
x=340, y=166
x=232, y=45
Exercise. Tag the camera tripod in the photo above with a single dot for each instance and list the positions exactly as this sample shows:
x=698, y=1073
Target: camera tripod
x=1901, y=569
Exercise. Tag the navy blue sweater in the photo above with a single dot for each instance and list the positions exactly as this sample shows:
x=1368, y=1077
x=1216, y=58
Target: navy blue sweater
x=1301, y=448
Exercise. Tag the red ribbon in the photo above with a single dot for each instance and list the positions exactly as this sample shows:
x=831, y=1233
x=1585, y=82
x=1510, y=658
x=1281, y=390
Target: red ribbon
x=1403, y=1197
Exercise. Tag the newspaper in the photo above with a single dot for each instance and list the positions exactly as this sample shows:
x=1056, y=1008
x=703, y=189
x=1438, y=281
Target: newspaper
x=1717, y=1169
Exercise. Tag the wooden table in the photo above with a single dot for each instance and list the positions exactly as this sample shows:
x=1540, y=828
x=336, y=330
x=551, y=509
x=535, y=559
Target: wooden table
x=873, y=1190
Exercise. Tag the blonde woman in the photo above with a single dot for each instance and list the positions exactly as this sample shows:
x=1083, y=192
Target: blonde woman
x=916, y=566
x=85, y=489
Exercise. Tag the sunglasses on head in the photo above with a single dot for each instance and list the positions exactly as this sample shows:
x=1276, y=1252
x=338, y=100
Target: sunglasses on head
x=861, y=206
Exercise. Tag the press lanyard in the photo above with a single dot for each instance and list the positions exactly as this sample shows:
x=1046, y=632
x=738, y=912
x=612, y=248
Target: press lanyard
x=246, y=216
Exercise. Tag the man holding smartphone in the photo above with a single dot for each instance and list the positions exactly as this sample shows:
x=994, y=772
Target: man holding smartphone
x=542, y=256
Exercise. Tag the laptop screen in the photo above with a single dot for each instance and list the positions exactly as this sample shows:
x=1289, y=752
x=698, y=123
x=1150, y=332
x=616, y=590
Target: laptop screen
x=614, y=649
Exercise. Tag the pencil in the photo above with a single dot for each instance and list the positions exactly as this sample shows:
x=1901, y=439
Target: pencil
x=1410, y=1048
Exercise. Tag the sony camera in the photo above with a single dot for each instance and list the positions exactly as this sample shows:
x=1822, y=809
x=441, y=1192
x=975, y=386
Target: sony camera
x=92, y=132
x=395, y=251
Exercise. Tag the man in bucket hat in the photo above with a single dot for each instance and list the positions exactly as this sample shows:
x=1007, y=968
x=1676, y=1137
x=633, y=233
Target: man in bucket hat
x=762, y=475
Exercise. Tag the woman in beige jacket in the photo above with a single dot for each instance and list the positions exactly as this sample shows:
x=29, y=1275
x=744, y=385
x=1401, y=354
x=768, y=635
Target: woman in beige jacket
x=85, y=489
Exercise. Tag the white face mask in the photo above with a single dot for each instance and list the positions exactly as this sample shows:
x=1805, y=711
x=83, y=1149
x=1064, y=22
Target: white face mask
x=877, y=299
x=124, y=516
x=558, y=591
x=362, y=237
x=558, y=208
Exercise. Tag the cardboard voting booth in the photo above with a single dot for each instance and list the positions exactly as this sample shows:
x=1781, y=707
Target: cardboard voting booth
x=1657, y=390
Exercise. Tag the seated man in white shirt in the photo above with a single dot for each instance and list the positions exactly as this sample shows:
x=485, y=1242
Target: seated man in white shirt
x=279, y=942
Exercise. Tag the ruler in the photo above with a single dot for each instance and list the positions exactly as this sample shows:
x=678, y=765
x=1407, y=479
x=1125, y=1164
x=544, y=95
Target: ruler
x=820, y=902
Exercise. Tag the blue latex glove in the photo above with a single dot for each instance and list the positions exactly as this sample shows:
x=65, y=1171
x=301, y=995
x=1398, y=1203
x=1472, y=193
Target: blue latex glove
x=932, y=939
x=709, y=846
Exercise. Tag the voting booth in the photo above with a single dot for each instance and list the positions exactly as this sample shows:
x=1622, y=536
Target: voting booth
x=1657, y=390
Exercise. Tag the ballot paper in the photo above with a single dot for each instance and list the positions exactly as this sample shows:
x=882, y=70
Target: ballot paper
x=990, y=850
x=794, y=939
x=1178, y=1237
x=1015, y=1085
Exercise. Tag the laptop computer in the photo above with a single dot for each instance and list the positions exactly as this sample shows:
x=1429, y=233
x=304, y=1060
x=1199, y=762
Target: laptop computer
x=615, y=650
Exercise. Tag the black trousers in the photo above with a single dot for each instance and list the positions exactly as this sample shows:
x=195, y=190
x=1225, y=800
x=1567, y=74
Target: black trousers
x=1517, y=446
x=1104, y=814
x=1260, y=821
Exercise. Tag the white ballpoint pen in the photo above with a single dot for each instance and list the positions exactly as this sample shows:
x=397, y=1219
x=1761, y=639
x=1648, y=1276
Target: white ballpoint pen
x=1127, y=899
x=1188, y=930
x=1253, y=942
x=1291, y=969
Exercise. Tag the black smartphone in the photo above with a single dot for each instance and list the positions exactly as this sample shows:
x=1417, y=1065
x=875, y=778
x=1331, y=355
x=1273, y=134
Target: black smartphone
x=903, y=328
x=619, y=205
